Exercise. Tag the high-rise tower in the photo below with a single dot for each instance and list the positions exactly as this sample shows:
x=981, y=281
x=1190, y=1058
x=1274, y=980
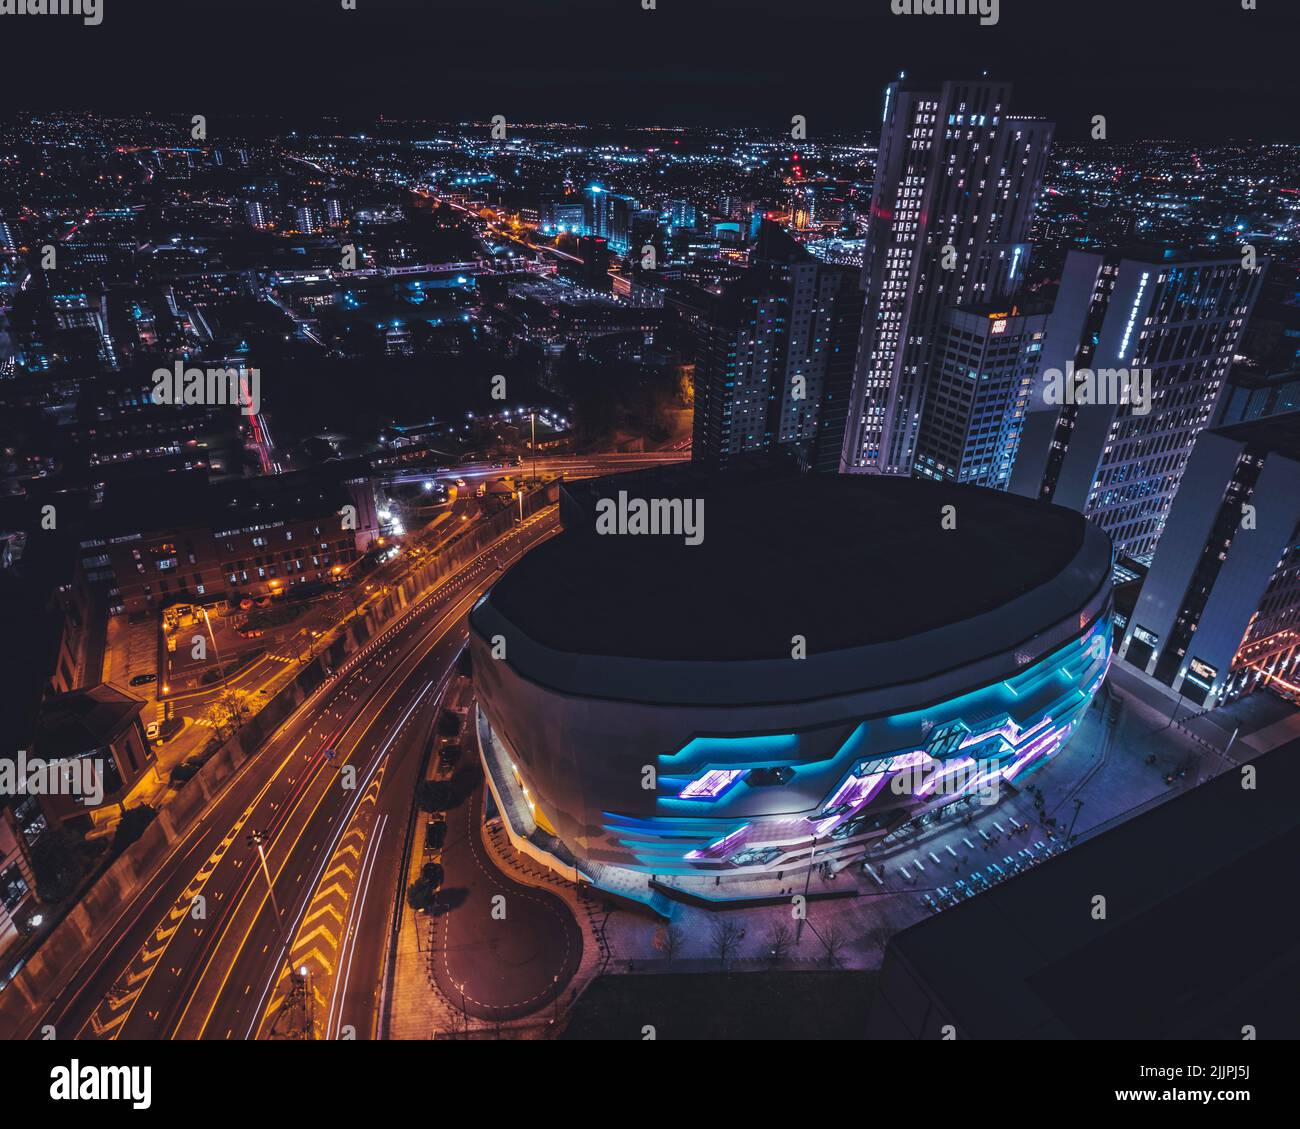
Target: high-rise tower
x=956, y=182
x=1168, y=321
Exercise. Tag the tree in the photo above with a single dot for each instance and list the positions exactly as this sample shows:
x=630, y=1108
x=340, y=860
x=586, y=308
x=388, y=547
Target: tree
x=779, y=940
x=57, y=865
x=215, y=716
x=422, y=893
x=131, y=826
x=669, y=940
x=436, y=795
x=726, y=936
x=878, y=937
x=229, y=710
x=835, y=942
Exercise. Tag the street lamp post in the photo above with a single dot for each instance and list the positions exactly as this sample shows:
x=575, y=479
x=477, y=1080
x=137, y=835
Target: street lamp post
x=1069, y=835
x=807, y=883
x=211, y=635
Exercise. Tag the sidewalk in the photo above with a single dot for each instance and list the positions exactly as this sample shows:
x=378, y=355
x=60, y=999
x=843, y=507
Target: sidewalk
x=1273, y=736
x=417, y=1008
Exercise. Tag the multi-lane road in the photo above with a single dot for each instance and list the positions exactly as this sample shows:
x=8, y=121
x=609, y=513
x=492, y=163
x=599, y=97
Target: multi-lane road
x=204, y=951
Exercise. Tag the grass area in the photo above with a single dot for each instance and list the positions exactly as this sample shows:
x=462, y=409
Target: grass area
x=726, y=1005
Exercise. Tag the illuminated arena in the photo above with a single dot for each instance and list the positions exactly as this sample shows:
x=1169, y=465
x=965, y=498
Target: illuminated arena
x=837, y=657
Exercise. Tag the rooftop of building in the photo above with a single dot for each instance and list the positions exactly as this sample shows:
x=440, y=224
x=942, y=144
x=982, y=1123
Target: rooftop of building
x=1252, y=374
x=84, y=720
x=844, y=561
x=1036, y=964
x=168, y=502
x=1278, y=434
x=1176, y=255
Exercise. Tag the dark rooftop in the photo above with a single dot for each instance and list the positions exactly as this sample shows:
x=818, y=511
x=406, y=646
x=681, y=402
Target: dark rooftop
x=85, y=720
x=844, y=561
x=1209, y=866
x=1280, y=434
x=182, y=501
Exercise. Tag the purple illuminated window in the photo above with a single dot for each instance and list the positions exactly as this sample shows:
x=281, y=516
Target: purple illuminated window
x=712, y=784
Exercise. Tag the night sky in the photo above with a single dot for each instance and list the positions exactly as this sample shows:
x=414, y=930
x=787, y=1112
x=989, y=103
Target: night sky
x=1194, y=69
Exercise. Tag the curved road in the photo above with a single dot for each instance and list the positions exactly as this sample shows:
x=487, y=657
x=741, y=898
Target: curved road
x=501, y=949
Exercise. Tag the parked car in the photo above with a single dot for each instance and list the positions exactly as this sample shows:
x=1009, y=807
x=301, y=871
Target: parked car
x=435, y=834
x=152, y=730
x=143, y=679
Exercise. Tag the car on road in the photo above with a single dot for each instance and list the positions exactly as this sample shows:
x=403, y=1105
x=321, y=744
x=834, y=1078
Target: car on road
x=190, y=766
x=1283, y=692
x=435, y=834
x=152, y=730
x=143, y=679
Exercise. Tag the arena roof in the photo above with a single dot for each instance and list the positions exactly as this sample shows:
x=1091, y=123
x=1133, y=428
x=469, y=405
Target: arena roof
x=844, y=561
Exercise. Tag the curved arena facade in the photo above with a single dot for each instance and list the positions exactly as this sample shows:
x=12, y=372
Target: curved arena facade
x=832, y=660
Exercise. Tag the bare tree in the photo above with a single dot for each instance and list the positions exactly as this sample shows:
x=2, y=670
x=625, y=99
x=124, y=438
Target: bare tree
x=779, y=940
x=669, y=940
x=835, y=942
x=726, y=936
x=878, y=937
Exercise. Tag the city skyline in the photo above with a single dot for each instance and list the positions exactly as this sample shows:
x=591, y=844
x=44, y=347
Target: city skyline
x=623, y=521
